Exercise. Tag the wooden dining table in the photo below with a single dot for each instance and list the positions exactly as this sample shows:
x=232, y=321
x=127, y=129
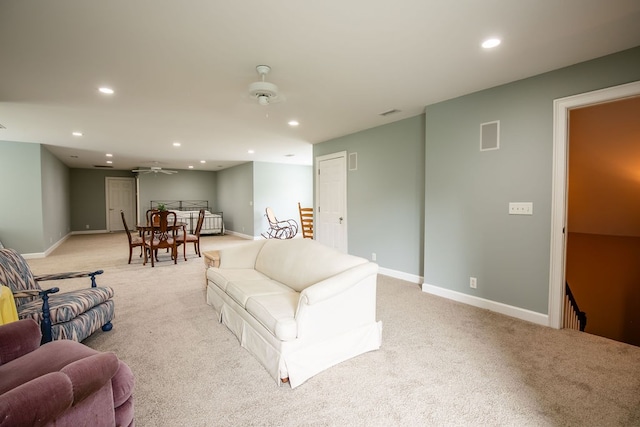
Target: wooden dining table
x=147, y=230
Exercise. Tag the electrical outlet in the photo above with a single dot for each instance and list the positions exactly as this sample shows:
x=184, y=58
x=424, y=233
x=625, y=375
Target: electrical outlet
x=373, y=256
x=87, y=226
x=473, y=282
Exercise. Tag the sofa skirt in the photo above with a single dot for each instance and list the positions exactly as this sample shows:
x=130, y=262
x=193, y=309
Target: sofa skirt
x=299, y=359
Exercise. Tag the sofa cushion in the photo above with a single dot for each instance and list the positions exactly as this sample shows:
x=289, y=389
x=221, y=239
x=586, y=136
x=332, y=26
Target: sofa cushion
x=276, y=313
x=221, y=277
x=241, y=290
x=67, y=306
x=299, y=263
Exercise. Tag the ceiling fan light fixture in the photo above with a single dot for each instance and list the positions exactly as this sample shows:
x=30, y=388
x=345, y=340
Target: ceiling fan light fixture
x=263, y=91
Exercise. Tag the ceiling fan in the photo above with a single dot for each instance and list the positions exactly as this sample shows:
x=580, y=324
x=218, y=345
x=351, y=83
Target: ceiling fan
x=264, y=92
x=154, y=169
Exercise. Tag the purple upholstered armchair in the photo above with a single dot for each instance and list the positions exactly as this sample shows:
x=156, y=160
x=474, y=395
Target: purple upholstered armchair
x=61, y=383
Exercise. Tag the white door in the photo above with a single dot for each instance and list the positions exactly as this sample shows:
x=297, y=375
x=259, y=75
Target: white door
x=331, y=200
x=121, y=196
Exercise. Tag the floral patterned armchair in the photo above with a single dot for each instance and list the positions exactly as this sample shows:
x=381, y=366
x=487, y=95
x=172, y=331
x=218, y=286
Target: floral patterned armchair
x=71, y=315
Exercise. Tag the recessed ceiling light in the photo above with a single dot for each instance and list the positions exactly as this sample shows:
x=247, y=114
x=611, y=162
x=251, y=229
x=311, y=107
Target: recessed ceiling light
x=76, y=133
x=106, y=90
x=250, y=151
x=294, y=123
x=176, y=144
x=109, y=162
x=491, y=43
x=190, y=166
x=203, y=161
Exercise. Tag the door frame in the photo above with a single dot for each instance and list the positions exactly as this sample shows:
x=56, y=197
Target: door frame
x=339, y=154
x=559, y=192
x=108, y=180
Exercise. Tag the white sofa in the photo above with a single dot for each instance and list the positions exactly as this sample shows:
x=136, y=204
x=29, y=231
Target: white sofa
x=298, y=306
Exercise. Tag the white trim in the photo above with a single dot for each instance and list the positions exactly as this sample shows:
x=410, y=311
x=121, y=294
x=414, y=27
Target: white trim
x=498, y=307
x=407, y=277
x=244, y=236
x=46, y=253
x=93, y=232
x=561, y=109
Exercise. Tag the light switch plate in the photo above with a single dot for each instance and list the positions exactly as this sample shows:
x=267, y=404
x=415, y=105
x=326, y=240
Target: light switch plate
x=520, y=208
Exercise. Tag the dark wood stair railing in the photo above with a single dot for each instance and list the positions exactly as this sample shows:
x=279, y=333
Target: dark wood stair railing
x=573, y=317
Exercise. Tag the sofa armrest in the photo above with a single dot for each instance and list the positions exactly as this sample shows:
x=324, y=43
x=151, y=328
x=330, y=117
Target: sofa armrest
x=338, y=304
x=37, y=402
x=90, y=374
x=334, y=285
x=18, y=338
x=70, y=275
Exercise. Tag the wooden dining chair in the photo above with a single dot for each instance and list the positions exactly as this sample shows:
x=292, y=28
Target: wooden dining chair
x=134, y=240
x=162, y=235
x=195, y=237
x=148, y=215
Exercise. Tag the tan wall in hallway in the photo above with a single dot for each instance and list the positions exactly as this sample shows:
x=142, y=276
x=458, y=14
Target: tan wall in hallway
x=604, y=275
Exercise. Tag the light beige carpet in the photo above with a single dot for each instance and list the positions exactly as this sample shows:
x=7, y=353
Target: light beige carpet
x=441, y=363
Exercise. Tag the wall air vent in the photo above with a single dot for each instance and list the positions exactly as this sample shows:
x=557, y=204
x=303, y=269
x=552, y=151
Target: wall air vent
x=103, y=166
x=389, y=112
x=490, y=136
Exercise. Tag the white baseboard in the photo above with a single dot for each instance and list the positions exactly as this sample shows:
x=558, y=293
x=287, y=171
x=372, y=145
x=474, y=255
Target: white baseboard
x=401, y=275
x=91, y=232
x=241, y=235
x=498, y=307
x=46, y=253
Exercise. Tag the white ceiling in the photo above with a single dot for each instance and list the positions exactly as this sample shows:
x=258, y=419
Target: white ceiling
x=181, y=69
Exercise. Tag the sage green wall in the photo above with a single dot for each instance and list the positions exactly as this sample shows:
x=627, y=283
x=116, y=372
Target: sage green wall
x=281, y=187
x=234, y=196
x=21, y=225
x=468, y=230
x=55, y=198
x=88, y=197
x=385, y=195
x=184, y=185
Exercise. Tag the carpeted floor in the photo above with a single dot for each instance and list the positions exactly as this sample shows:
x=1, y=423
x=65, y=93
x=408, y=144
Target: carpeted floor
x=441, y=363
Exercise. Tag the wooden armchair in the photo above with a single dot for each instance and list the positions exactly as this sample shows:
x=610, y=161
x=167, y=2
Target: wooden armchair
x=71, y=315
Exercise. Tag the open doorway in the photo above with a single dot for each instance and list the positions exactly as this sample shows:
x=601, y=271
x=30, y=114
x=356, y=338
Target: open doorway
x=603, y=217
x=562, y=112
